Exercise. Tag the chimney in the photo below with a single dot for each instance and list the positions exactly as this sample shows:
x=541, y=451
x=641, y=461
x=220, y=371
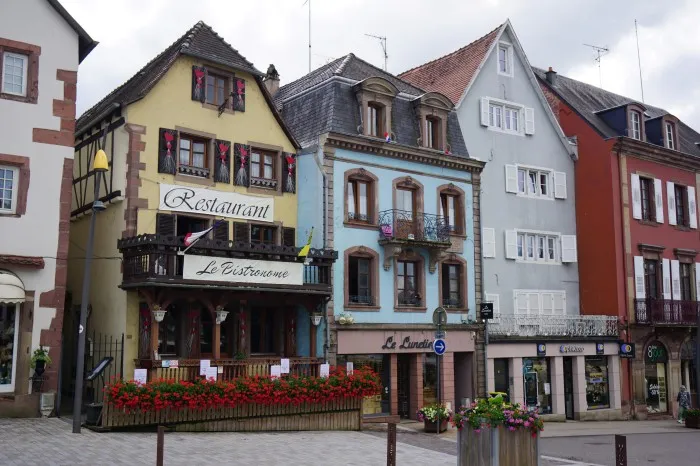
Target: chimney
x=272, y=80
x=551, y=76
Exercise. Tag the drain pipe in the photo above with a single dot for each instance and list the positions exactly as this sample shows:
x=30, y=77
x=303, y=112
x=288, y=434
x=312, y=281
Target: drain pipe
x=319, y=163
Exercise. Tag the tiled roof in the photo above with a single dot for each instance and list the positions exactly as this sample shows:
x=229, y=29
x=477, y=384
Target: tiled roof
x=452, y=73
x=587, y=99
x=200, y=41
x=328, y=104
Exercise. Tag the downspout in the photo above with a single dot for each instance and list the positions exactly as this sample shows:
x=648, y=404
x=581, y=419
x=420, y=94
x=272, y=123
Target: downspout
x=483, y=299
x=319, y=164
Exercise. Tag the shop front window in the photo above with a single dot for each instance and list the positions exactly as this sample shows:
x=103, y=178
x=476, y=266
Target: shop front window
x=537, y=384
x=597, y=388
x=655, y=359
x=8, y=342
x=379, y=363
x=429, y=378
x=688, y=372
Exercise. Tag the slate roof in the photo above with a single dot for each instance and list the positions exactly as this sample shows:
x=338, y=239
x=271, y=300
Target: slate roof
x=328, y=104
x=587, y=99
x=451, y=74
x=200, y=41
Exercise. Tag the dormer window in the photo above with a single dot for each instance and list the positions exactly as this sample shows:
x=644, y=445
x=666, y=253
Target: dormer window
x=375, y=119
x=433, y=132
x=669, y=131
x=635, y=125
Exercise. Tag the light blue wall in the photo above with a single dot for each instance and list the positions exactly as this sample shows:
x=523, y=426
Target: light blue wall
x=345, y=238
x=310, y=200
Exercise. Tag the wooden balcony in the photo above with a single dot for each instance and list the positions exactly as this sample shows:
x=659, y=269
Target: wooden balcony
x=157, y=260
x=651, y=311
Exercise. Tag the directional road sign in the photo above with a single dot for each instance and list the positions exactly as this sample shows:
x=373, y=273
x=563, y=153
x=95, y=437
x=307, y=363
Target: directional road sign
x=439, y=346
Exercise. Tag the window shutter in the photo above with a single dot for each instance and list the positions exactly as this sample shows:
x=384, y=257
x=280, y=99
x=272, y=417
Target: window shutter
x=560, y=303
x=165, y=224
x=666, y=269
x=529, y=120
x=511, y=244
x=568, y=248
x=559, y=185
x=533, y=303
x=697, y=281
x=198, y=83
x=167, y=150
x=547, y=303
x=488, y=242
x=289, y=237
x=221, y=231
x=659, y=198
x=484, y=111
x=241, y=232
x=239, y=94
x=241, y=164
x=639, y=277
x=511, y=179
x=692, y=208
x=494, y=298
x=675, y=280
x=636, y=196
x=222, y=161
x=671, y=197
x=520, y=299
x=289, y=173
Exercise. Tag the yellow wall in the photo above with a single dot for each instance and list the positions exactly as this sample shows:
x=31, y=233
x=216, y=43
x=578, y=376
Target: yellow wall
x=169, y=104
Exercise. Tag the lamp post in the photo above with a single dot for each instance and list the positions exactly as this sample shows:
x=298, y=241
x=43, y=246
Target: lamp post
x=99, y=166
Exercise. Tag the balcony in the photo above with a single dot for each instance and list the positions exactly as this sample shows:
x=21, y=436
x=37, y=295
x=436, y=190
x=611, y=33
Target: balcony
x=666, y=312
x=157, y=260
x=553, y=326
x=361, y=300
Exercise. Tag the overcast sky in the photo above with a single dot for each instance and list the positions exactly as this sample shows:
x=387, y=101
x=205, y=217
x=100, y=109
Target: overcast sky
x=552, y=32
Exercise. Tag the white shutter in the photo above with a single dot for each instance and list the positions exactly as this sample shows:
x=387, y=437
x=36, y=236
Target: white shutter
x=529, y=120
x=494, y=298
x=511, y=244
x=671, y=197
x=547, y=303
x=533, y=303
x=511, y=63
x=568, y=248
x=636, y=197
x=484, y=111
x=560, y=303
x=697, y=281
x=511, y=179
x=659, y=197
x=692, y=207
x=639, y=277
x=488, y=241
x=666, y=268
x=520, y=302
x=559, y=185
x=675, y=280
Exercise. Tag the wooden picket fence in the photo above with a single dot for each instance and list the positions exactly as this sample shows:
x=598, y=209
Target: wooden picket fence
x=343, y=414
x=503, y=448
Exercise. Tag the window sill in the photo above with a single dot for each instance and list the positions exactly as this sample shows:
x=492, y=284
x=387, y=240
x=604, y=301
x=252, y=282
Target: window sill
x=360, y=308
x=461, y=236
x=184, y=178
x=193, y=171
x=361, y=225
x=505, y=131
x=649, y=223
x=19, y=98
x=682, y=228
x=535, y=262
x=410, y=309
x=456, y=310
x=533, y=196
x=264, y=183
x=216, y=107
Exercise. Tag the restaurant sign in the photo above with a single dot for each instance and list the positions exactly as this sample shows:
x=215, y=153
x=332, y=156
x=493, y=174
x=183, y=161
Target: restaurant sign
x=218, y=203
x=222, y=269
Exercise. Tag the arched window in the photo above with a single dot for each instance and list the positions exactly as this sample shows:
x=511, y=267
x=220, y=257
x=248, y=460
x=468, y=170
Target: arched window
x=451, y=206
x=361, y=278
x=361, y=202
x=376, y=119
x=452, y=280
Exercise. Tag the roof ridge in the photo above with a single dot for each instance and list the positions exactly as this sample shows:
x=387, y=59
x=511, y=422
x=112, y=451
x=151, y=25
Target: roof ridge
x=211, y=29
x=344, y=63
x=455, y=51
x=386, y=72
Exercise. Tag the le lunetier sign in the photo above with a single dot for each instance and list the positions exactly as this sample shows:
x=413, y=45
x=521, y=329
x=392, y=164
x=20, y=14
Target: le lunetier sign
x=219, y=203
x=218, y=269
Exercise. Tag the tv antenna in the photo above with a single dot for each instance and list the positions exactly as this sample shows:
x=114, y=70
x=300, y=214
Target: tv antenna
x=382, y=41
x=600, y=51
x=309, y=2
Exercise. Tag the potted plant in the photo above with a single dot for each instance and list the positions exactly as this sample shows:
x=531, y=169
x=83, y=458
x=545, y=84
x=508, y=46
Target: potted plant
x=692, y=418
x=430, y=414
x=40, y=359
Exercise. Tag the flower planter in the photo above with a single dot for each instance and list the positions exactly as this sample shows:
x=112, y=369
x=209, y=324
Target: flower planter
x=40, y=367
x=692, y=422
x=497, y=447
x=431, y=426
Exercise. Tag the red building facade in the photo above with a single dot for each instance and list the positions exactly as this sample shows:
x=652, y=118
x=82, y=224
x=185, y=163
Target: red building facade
x=637, y=179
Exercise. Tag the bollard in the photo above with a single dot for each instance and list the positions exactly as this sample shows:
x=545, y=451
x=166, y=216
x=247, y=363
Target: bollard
x=620, y=450
x=159, y=446
x=391, y=444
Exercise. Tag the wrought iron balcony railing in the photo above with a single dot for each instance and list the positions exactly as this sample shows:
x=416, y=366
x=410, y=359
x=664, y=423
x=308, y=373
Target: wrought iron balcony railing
x=666, y=311
x=401, y=225
x=553, y=326
x=451, y=302
x=361, y=300
x=155, y=258
x=409, y=299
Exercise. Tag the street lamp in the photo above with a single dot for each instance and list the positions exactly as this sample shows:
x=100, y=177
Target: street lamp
x=99, y=166
x=316, y=318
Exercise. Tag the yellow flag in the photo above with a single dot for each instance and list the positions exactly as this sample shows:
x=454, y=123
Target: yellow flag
x=305, y=250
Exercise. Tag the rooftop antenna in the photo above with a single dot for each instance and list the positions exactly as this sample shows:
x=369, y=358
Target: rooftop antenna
x=639, y=60
x=600, y=51
x=382, y=41
x=309, y=2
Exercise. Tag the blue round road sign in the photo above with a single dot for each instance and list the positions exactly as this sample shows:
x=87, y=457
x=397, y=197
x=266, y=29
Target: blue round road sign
x=439, y=346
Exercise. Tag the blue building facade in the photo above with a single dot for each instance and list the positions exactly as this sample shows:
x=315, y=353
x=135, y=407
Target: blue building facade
x=385, y=179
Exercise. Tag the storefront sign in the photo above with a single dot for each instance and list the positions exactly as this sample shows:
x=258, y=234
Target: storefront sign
x=378, y=341
x=407, y=344
x=219, y=203
x=627, y=350
x=217, y=269
x=541, y=349
x=486, y=311
x=570, y=349
x=655, y=353
x=600, y=348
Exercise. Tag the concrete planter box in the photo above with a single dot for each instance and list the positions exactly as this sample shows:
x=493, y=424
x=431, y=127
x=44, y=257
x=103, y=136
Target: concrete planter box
x=497, y=447
x=692, y=422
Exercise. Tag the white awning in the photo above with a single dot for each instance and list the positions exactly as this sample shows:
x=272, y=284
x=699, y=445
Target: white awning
x=11, y=288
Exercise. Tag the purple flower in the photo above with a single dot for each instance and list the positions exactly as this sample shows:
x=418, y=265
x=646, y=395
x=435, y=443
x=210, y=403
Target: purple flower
x=511, y=428
x=477, y=430
x=527, y=424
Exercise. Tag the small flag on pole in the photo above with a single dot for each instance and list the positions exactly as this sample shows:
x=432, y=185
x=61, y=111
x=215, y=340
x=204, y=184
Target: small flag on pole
x=192, y=238
x=305, y=250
